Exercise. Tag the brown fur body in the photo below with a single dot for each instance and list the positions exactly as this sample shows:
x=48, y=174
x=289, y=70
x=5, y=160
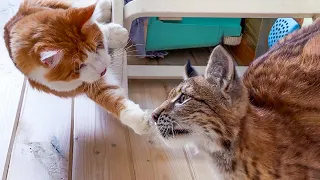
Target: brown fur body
x=266, y=127
x=281, y=133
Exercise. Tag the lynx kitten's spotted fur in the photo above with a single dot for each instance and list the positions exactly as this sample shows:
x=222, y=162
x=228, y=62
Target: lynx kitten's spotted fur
x=263, y=127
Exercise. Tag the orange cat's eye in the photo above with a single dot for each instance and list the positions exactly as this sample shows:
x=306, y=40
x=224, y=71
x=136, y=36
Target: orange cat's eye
x=78, y=67
x=99, y=46
x=82, y=66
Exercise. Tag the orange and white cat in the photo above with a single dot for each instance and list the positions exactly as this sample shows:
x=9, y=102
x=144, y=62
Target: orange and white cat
x=64, y=50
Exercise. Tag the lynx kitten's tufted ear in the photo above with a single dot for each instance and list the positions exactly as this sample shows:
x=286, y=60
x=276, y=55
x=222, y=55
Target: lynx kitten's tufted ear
x=189, y=71
x=220, y=70
x=51, y=58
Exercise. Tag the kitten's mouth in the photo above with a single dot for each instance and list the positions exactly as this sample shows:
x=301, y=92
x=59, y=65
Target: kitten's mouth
x=179, y=132
x=168, y=127
x=104, y=72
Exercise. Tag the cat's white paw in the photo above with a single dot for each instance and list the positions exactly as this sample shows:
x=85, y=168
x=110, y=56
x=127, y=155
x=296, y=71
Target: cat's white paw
x=117, y=36
x=135, y=118
x=103, y=11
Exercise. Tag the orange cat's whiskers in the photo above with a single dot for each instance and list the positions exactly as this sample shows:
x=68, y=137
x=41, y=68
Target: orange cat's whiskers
x=121, y=53
x=128, y=52
x=118, y=52
x=127, y=49
x=123, y=47
x=128, y=41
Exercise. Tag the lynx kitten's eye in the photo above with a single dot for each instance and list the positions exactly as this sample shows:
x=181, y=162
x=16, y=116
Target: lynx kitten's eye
x=183, y=98
x=78, y=67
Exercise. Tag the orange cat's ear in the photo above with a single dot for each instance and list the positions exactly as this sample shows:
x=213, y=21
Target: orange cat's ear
x=51, y=58
x=80, y=16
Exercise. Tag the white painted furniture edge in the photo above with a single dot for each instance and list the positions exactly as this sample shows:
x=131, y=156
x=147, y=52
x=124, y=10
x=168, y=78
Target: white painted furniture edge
x=117, y=11
x=166, y=72
x=209, y=8
x=218, y=8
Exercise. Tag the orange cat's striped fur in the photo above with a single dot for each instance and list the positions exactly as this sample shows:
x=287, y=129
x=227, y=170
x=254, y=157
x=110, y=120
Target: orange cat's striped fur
x=263, y=127
x=63, y=50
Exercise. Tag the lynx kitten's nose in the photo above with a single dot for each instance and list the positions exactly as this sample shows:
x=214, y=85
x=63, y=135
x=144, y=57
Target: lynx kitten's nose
x=155, y=117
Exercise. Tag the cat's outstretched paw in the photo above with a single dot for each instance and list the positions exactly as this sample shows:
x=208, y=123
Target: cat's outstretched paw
x=136, y=119
x=103, y=11
x=117, y=36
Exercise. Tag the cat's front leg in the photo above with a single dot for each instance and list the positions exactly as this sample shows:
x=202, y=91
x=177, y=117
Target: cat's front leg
x=113, y=99
x=115, y=35
x=134, y=117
